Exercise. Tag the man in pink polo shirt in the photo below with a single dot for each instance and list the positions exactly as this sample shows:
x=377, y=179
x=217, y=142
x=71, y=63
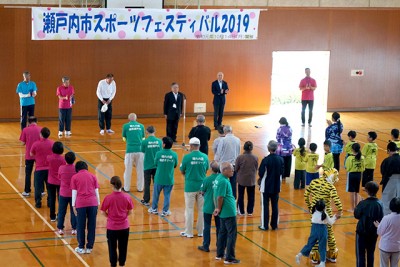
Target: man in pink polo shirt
x=65, y=93
x=40, y=150
x=29, y=135
x=307, y=87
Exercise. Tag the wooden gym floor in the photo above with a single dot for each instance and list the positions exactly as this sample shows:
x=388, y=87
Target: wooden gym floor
x=27, y=237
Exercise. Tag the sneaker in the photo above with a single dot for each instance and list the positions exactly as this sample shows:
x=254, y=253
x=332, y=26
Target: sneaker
x=60, y=134
x=43, y=194
x=183, y=234
x=73, y=232
x=200, y=235
x=110, y=131
x=53, y=220
x=88, y=250
x=60, y=231
x=262, y=228
x=202, y=248
x=321, y=264
x=250, y=214
x=152, y=211
x=309, y=125
x=298, y=258
x=25, y=194
x=302, y=125
x=147, y=204
x=102, y=132
x=240, y=214
x=234, y=261
x=126, y=191
x=165, y=213
x=68, y=133
x=80, y=250
x=331, y=260
x=218, y=258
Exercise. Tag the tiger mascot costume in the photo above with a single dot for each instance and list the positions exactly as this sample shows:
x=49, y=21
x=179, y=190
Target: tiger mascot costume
x=324, y=188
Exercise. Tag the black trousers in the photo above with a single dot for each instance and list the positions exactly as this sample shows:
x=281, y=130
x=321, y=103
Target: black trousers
x=40, y=180
x=227, y=238
x=64, y=119
x=28, y=174
x=250, y=198
x=304, y=104
x=336, y=161
x=368, y=176
x=287, y=163
x=26, y=111
x=148, y=176
x=54, y=192
x=218, y=113
x=299, y=179
x=117, y=239
x=365, y=245
x=232, y=181
x=172, y=128
x=266, y=199
x=104, y=116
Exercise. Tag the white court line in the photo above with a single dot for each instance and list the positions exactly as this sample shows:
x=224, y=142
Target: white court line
x=46, y=222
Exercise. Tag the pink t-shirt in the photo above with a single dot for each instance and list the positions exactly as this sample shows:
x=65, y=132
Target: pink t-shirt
x=85, y=184
x=65, y=173
x=41, y=149
x=117, y=206
x=307, y=94
x=54, y=161
x=29, y=135
x=65, y=91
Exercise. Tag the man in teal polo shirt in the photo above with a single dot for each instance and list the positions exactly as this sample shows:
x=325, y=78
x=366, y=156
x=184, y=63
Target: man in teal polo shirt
x=150, y=146
x=166, y=161
x=209, y=207
x=133, y=134
x=27, y=92
x=225, y=208
x=194, y=166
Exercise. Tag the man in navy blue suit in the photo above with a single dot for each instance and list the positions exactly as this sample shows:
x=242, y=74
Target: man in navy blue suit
x=219, y=89
x=173, y=106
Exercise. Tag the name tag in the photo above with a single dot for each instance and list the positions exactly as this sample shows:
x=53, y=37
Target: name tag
x=174, y=105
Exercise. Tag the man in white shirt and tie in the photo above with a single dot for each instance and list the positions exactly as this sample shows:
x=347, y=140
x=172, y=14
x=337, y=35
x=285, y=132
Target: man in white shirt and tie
x=219, y=88
x=105, y=93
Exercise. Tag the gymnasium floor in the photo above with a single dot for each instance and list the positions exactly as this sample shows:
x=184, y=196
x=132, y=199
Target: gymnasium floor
x=27, y=237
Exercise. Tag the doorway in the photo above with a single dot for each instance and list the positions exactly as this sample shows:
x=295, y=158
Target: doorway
x=287, y=71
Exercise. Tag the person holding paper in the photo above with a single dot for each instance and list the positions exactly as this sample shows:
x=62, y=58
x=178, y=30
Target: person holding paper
x=219, y=88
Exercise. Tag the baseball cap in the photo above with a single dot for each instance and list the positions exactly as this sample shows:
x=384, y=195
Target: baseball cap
x=194, y=141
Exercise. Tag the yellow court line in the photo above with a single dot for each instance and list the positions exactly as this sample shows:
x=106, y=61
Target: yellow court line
x=46, y=222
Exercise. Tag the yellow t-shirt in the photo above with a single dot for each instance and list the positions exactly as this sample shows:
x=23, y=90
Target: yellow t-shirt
x=311, y=162
x=348, y=149
x=300, y=161
x=370, y=152
x=328, y=161
x=397, y=142
x=354, y=165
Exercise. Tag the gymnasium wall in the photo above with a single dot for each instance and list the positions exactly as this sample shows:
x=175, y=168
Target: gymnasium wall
x=143, y=70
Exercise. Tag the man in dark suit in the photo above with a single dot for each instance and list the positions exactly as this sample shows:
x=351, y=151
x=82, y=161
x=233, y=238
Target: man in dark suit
x=202, y=132
x=219, y=89
x=173, y=107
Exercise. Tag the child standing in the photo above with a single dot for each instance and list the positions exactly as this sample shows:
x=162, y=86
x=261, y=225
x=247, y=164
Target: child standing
x=300, y=165
x=389, y=231
x=333, y=133
x=117, y=207
x=370, y=152
x=354, y=166
x=311, y=162
x=55, y=161
x=395, y=137
x=347, y=148
x=328, y=158
x=65, y=173
x=319, y=233
x=367, y=212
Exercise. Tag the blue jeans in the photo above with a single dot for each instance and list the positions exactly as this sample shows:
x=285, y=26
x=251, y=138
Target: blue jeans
x=319, y=233
x=86, y=215
x=156, y=196
x=62, y=210
x=227, y=238
x=64, y=118
x=207, y=229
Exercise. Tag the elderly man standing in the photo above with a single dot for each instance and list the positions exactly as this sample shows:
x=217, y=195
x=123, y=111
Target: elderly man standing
x=65, y=93
x=225, y=208
x=270, y=172
x=133, y=134
x=173, y=110
x=27, y=92
x=106, y=90
x=390, y=170
x=227, y=151
x=194, y=166
x=219, y=88
x=202, y=132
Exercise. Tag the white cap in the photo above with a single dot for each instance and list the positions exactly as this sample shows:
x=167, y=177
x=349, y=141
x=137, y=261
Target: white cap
x=194, y=141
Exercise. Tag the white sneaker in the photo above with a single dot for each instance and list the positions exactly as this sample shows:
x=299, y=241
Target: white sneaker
x=60, y=231
x=298, y=258
x=152, y=211
x=25, y=194
x=88, y=250
x=183, y=234
x=43, y=194
x=102, y=132
x=80, y=250
x=200, y=235
x=110, y=131
x=165, y=213
x=73, y=232
x=60, y=134
x=68, y=133
x=321, y=264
